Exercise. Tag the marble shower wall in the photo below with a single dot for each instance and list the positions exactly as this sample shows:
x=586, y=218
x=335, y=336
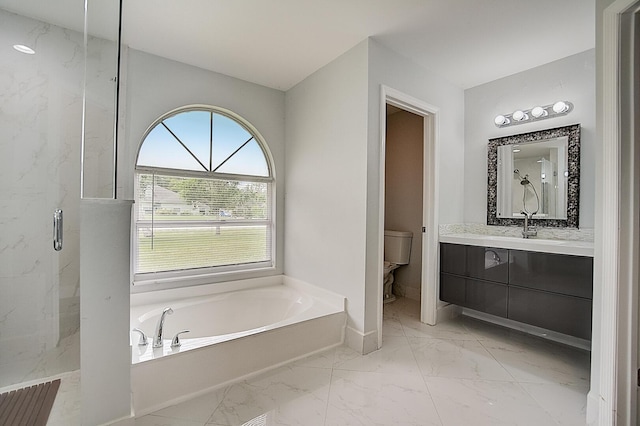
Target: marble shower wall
x=40, y=151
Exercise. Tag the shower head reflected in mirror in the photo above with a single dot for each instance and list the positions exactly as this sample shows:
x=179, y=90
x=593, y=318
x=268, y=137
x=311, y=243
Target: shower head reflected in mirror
x=523, y=180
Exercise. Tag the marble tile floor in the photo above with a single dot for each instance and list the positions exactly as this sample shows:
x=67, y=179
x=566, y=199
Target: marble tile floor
x=460, y=372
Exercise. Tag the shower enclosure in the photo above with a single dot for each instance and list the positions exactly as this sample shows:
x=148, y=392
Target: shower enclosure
x=45, y=53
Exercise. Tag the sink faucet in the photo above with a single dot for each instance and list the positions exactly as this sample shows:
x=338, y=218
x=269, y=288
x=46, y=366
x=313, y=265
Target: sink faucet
x=157, y=337
x=528, y=231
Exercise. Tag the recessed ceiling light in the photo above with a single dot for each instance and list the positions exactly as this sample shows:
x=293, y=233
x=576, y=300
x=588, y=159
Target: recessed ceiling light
x=24, y=49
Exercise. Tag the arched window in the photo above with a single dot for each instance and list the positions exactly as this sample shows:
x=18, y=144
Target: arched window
x=203, y=193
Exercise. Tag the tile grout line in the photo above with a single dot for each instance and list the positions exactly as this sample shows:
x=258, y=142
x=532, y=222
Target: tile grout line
x=538, y=404
x=326, y=406
x=224, y=395
x=424, y=380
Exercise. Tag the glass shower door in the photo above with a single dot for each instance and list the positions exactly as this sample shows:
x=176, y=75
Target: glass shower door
x=41, y=92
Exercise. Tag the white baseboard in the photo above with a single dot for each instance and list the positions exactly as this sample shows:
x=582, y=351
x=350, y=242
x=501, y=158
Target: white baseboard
x=592, y=408
x=412, y=293
x=362, y=343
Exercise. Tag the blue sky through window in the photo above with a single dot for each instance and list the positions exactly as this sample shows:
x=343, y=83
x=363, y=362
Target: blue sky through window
x=161, y=149
x=192, y=128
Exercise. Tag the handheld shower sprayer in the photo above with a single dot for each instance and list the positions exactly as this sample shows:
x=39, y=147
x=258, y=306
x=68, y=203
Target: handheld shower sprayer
x=524, y=181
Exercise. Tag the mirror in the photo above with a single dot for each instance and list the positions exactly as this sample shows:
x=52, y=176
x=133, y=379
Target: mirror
x=537, y=173
x=522, y=169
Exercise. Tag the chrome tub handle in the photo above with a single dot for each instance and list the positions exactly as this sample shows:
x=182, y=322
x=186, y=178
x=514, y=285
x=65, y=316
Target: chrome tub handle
x=175, y=342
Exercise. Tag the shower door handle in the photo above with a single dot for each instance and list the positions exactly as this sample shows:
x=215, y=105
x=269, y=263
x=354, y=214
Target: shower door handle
x=57, y=230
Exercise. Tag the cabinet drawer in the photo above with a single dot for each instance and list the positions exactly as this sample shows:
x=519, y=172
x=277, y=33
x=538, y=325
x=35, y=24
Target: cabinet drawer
x=486, y=297
x=570, y=275
x=479, y=295
x=564, y=314
x=452, y=289
x=453, y=259
x=487, y=263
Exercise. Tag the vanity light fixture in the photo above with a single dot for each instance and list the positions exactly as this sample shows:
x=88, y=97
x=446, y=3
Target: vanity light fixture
x=534, y=114
x=520, y=115
x=24, y=49
x=501, y=120
x=537, y=112
x=560, y=107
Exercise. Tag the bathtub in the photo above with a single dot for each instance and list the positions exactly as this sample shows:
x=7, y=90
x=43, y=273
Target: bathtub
x=232, y=335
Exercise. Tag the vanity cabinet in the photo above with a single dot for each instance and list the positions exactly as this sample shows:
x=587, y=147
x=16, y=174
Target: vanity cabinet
x=552, y=291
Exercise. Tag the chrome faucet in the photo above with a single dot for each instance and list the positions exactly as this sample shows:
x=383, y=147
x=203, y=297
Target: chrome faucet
x=157, y=337
x=528, y=231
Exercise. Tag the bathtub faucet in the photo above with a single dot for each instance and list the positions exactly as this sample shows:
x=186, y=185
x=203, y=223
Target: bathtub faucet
x=157, y=337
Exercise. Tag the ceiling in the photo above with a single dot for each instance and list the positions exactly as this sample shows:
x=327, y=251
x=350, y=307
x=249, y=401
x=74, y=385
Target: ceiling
x=278, y=43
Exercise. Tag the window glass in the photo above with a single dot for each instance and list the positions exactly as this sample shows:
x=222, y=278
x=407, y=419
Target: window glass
x=192, y=216
x=193, y=129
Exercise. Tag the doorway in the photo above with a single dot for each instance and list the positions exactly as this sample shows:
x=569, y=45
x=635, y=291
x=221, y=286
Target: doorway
x=410, y=197
x=402, y=273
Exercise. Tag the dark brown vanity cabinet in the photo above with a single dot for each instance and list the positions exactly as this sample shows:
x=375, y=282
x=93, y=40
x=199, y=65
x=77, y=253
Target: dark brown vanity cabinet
x=552, y=291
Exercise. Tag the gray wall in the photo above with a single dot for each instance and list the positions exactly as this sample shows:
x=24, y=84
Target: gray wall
x=570, y=79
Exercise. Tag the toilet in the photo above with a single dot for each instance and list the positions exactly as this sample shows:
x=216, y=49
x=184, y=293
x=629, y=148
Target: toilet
x=397, y=249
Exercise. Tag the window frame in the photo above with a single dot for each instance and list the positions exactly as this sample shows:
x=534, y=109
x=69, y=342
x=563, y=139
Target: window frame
x=148, y=281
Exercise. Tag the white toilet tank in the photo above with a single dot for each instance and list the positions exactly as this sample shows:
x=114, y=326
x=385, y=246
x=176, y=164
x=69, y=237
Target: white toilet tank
x=397, y=246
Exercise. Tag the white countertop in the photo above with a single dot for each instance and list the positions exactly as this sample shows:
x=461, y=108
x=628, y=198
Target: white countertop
x=576, y=248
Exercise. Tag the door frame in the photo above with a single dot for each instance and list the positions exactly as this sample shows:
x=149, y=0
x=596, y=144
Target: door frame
x=431, y=117
x=612, y=398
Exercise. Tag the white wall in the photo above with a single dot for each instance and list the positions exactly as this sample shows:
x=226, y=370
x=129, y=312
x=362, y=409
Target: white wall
x=104, y=271
x=333, y=173
x=326, y=180
x=156, y=85
x=388, y=68
x=571, y=79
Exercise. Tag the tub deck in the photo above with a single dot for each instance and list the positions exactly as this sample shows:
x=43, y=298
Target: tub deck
x=167, y=376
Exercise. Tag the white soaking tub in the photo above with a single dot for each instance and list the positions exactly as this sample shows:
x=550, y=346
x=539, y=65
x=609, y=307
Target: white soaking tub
x=232, y=335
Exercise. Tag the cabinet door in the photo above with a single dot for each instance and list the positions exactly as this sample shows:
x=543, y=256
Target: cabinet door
x=487, y=263
x=452, y=289
x=564, y=314
x=486, y=297
x=453, y=258
x=571, y=275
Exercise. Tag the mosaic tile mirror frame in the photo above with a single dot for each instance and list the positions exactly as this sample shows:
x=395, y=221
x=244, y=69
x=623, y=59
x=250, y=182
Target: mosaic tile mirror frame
x=572, y=132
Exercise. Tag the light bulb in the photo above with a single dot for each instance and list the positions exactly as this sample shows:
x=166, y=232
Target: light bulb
x=519, y=116
x=538, y=112
x=560, y=107
x=501, y=120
